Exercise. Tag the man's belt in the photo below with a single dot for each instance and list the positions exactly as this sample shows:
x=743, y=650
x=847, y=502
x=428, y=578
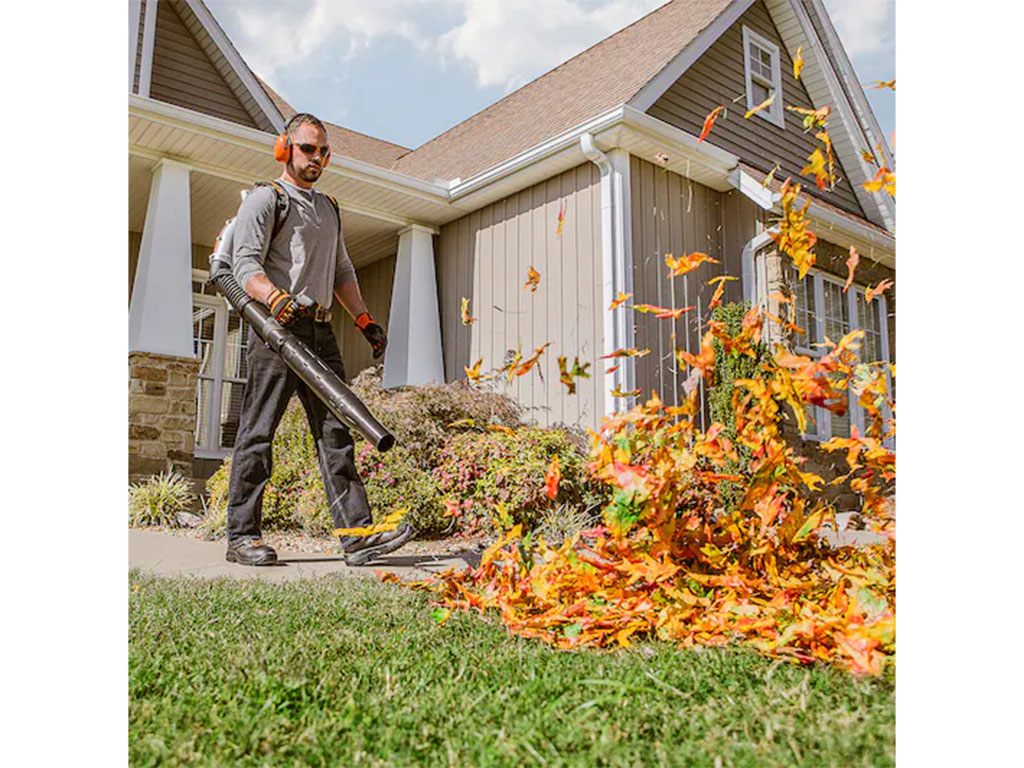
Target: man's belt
x=316, y=313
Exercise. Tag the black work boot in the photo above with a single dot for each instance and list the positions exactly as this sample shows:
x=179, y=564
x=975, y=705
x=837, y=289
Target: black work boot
x=250, y=552
x=367, y=548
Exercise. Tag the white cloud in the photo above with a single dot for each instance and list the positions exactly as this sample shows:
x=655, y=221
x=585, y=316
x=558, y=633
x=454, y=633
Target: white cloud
x=504, y=42
x=864, y=26
x=509, y=42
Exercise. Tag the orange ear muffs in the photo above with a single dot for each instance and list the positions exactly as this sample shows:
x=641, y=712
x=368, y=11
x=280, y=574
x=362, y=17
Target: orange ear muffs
x=283, y=148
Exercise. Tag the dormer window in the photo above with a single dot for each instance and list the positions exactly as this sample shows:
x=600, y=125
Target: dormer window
x=762, y=65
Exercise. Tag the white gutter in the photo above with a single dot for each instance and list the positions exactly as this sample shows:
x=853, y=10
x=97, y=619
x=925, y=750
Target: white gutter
x=615, y=273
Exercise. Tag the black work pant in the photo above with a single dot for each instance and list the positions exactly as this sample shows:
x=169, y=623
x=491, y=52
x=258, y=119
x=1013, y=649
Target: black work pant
x=268, y=388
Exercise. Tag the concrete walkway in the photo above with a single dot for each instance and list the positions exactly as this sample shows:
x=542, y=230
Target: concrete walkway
x=166, y=554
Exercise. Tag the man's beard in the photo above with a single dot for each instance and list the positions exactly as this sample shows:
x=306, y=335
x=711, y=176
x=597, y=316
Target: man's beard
x=310, y=173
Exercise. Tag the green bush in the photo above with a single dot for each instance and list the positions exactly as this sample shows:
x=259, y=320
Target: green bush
x=485, y=469
x=729, y=368
x=158, y=499
x=419, y=416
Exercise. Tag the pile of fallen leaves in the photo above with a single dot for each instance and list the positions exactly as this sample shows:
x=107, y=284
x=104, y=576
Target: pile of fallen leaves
x=672, y=561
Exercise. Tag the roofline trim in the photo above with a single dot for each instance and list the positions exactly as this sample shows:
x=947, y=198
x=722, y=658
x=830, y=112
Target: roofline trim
x=213, y=29
x=252, y=138
x=652, y=91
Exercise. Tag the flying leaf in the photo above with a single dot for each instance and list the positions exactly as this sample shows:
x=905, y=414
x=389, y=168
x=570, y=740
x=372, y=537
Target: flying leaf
x=816, y=166
x=561, y=222
x=716, y=299
x=631, y=352
x=662, y=158
x=884, y=180
x=527, y=364
x=851, y=265
x=662, y=313
x=568, y=376
x=554, y=474
x=631, y=393
x=687, y=263
x=794, y=237
x=466, y=318
x=473, y=374
x=873, y=293
x=501, y=428
x=885, y=84
x=440, y=615
x=771, y=176
x=709, y=122
x=613, y=368
x=391, y=521
x=618, y=300
x=798, y=62
x=763, y=105
x=532, y=279
x=813, y=118
x=463, y=423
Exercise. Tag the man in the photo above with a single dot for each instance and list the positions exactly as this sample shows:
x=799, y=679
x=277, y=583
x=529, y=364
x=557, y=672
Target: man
x=297, y=273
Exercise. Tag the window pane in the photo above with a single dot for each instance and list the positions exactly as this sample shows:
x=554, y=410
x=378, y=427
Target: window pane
x=202, y=337
x=870, y=317
x=759, y=93
x=837, y=311
x=806, y=312
x=235, y=348
x=230, y=408
x=203, y=389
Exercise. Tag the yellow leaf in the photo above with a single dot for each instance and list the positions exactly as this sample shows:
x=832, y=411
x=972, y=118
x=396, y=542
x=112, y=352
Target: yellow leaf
x=389, y=523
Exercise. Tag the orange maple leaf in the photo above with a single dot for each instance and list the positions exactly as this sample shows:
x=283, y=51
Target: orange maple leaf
x=466, y=317
x=687, y=263
x=561, y=220
x=716, y=299
x=878, y=290
x=532, y=279
x=662, y=313
x=884, y=180
x=554, y=474
x=709, y=122
x=851, y=265
x=618, y=300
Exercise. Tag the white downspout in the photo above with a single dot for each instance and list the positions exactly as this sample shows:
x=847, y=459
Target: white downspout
x=612, y=278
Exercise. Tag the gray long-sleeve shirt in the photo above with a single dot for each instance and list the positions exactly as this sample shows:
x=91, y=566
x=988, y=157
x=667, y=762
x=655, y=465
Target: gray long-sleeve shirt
x=308, y=256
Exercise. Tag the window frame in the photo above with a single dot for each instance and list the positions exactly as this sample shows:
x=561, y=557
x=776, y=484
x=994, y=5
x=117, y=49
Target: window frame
x=822, y=417
x=774, y=114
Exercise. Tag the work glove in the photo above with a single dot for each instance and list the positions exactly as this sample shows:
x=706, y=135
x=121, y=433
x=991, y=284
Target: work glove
x=283, y=306
x=373, y=333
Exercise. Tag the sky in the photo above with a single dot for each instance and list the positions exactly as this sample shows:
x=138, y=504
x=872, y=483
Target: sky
x=407, y=70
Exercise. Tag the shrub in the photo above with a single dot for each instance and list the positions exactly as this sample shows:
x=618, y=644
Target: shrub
x=729, y=368
x=419, y=416
x=158, y=499
x=485, y=469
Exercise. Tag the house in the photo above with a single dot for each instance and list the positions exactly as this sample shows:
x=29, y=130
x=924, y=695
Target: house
x=590, y=174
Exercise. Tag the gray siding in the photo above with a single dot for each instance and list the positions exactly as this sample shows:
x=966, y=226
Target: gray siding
x=184, y=75
x=138, y=49
x=717, y=78
x=485, y=255
x=375, y=284
x=671, y=214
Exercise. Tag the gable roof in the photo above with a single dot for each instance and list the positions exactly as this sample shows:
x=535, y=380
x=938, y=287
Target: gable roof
x=603, y=76
x=345, y=141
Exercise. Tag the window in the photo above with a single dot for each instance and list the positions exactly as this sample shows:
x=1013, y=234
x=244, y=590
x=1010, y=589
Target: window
x=823, y=310
x=219, y=341
x=762, y=66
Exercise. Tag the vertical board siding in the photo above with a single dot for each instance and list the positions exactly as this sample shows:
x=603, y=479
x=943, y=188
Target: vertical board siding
x=672, y=214
x=717, y=77
x=134, y=244
x=184, y=75
x=138, y=49
x=375, y=281
x=485, y=256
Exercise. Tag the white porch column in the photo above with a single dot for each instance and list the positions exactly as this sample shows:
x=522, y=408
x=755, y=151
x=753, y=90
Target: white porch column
x=414, y=328
x=160, y=315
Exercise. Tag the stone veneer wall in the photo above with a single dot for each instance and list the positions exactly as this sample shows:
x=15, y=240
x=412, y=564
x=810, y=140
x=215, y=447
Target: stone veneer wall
x=161, y=414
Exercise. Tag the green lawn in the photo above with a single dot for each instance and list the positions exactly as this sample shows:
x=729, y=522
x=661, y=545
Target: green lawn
x=352, y=672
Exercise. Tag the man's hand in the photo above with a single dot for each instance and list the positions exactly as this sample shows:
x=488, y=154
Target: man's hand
x=283, y=306
x=373, y=333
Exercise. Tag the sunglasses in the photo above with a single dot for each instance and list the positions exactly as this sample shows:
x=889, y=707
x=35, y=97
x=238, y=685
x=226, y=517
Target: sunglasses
x=312, y=149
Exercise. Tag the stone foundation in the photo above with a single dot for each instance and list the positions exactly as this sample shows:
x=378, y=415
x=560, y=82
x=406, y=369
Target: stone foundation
x=161, y=414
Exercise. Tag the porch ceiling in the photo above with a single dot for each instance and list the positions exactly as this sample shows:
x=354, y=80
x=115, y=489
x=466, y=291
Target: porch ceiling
x=214, y=200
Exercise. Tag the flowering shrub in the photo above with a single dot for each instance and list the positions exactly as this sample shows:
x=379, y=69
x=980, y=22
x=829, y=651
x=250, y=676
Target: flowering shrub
x=479, y=471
